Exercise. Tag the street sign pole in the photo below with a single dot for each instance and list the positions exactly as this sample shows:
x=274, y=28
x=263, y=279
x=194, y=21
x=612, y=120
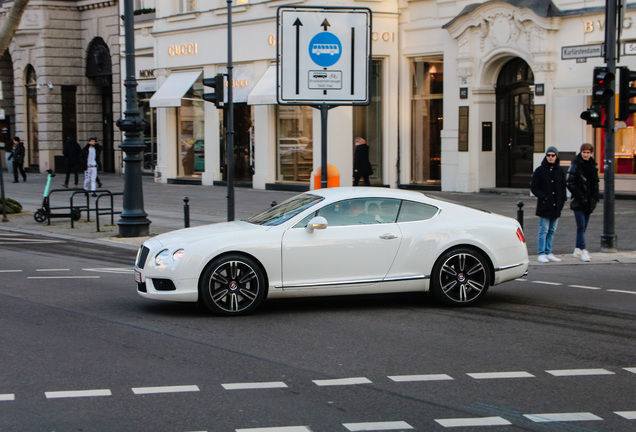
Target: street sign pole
x=608, y=238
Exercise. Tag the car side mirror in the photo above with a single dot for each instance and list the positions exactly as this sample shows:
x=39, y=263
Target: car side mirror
x=316, y=223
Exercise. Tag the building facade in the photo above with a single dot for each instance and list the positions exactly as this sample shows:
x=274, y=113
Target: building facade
x=465, y=96
x=58, y=77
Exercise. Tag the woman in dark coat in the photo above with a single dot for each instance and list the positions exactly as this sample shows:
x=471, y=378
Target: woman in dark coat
x=548, y=185
x=582, y=182
x=361, y=164
x=17, y=156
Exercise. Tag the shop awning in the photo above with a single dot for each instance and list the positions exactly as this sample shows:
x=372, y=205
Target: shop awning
x=264, y=92
x=173, y=89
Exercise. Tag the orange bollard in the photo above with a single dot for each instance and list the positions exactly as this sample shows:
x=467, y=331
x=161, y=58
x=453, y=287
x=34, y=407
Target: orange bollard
x=333, y=177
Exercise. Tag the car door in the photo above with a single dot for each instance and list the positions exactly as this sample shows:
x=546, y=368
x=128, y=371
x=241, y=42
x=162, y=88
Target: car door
x=354, y=248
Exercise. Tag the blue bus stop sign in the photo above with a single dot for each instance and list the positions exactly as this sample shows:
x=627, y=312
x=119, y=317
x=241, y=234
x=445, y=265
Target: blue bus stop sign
x=325, y=49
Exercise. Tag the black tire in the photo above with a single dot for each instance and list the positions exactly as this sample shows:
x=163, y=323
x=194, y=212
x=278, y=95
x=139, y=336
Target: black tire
x=232, y=285
x=460, y=277
x=39, y=216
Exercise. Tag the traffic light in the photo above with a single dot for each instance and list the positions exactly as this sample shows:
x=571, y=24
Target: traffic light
x=603, y=87
x=593, y=116
x=602, y=91
x=626, y=92
x=217, y=82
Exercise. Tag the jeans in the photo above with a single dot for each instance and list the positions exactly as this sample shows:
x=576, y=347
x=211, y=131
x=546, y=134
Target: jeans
x=582, y=219
x=547, y=227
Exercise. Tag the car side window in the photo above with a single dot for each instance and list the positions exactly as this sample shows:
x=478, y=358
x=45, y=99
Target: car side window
x=411, y=211
x=360, y=211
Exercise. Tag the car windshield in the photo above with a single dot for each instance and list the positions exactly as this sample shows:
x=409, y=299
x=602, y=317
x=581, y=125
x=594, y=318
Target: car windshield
x=286, y=210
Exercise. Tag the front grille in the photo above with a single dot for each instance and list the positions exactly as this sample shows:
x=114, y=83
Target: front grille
x=142, y=256
x=163, y=285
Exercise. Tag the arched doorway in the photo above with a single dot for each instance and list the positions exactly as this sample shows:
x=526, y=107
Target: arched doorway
x=515, y=125
x=100, y=69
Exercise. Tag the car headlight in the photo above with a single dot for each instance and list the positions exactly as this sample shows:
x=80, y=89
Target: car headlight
x=162, y=257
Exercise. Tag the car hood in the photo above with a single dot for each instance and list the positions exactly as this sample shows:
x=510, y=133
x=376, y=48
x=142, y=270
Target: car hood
x=205, y=232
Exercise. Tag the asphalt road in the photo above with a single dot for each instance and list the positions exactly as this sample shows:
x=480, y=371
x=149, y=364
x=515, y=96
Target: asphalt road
x=82, y=351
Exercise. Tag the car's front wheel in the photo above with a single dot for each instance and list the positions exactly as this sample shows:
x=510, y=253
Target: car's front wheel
x=232, y=285
x=460, y=277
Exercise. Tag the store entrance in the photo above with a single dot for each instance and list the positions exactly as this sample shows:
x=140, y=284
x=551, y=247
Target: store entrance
x=243, y=144
x=515, y=125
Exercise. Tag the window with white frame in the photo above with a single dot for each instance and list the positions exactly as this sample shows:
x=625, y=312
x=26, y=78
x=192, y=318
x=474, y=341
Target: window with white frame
x=187, y=6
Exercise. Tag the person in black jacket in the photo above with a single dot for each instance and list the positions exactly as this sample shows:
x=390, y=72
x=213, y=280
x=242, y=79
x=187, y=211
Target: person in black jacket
x=548, y=185
x=17, y=155
x=361, y=164
x=582, y=182
x=72, y=158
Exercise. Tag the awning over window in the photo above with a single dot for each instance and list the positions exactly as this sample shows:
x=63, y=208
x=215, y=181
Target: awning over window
x=173, y=89
x=264, y=92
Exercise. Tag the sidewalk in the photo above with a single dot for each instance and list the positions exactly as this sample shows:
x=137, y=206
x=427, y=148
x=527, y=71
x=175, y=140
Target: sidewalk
x=165, y=208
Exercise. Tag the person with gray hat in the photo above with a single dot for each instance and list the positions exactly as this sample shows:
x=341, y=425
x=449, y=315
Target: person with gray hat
x=548, y=185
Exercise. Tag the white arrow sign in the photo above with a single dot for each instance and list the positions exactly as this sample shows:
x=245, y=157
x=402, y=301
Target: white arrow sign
x=324, y=55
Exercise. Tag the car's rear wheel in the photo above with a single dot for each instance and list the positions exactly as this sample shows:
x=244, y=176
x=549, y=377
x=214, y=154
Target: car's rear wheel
x=460, y=277
x=232, y=285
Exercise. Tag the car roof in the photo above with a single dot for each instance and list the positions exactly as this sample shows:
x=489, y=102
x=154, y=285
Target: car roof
x=339, y=193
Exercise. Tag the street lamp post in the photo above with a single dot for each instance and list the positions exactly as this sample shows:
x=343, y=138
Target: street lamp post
x=133, y=220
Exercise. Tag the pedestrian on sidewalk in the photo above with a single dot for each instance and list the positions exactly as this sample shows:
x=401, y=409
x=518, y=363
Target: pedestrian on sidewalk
x=361, y=164
x=72, y=159
x=548, y=185
x=582, y=182
x=91, y=157
x=17, y=155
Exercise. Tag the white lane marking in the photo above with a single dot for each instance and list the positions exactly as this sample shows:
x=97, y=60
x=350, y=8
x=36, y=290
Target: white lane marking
x=10, y=271
x=377, y=426
x=547, y=283
x=629, y=415
x=165, y=389
x=77, y=393
x=7, y=397
x=584, y=287
x=254, y=385
x=480, y=421
x=30, y=241
x=562, y=417
x=579, y=372
x=51, y=270
x=122, y=270
x=342, y=381
x=497, y=375
x=630, y=369
x=277, y=429
x=429, y=377
x=621, y=291
x=63, y=277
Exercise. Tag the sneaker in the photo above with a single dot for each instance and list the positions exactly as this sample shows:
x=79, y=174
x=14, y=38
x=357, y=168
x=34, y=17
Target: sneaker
x=552, y=258
x=65, y=185
x=577, y=253
x=585, y=256
x=543, y=259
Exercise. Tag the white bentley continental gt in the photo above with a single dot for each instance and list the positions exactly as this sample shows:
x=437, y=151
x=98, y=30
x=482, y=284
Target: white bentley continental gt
x=335, y=241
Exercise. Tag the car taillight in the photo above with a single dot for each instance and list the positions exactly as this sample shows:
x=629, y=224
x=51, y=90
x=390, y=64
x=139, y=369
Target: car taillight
x=520, y=235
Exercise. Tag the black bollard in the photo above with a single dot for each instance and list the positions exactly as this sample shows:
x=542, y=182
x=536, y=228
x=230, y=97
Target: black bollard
x=186, y=212
x=520, y=213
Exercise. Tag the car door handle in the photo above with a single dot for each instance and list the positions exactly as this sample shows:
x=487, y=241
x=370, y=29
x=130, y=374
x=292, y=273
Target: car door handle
x=388, y=236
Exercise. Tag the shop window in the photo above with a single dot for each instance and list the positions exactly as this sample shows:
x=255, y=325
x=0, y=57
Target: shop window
x=368, y=121
x=295, y=143
x=427, y=76
x=191, y=144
